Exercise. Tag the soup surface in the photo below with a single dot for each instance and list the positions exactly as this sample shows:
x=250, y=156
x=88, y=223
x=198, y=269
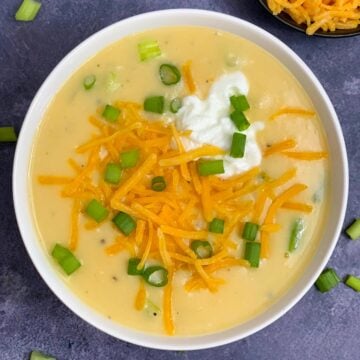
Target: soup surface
x=277, y=186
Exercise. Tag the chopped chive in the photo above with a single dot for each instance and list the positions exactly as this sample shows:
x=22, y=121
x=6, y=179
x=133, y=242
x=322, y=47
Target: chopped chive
x=297, y=231
x=129, y=159
x=96, y=210
x=158, y=183
x=37, y=355
x=125, y=223
x=353, y=282
x=217, y=226
x=201, y=248
x=148, y=49
x=354, y=230
x=239, y=102
x=210, y=167
x=132, y=267
x=112, y=173
x=111, y=113
x=252, y=253
x=89, y=81
x=237, y=149
x=65, y=258
x=175, y=105
x=28, y=10
x=169, y=74
x=156, y=276
x=7, y=134
x=240, y=120
x=327, y=280
x=250, y=231
x=60, y=252
x=154, y=104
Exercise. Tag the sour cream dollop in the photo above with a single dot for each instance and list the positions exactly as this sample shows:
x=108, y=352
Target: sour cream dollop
x=210, y=123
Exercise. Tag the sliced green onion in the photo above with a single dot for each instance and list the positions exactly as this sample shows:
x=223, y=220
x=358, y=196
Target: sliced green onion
x=151, y=309
x=239, y=102
x=28, y=10
x=210, y=167
x=70, y=264
x=125, y=223
x=175, y=105
x=112, y=173
x=7, y=134
x=154, y=104
x=111, y=113
x=37, y=355
x=132, y=267
x=65, y=258
x=252, y=253
x=60, y=252
x=148, y=49
x=237, y=149
x=327, y=280
x=89, y=81
x=169, y=74
x=96, y=210
x=156, y=276
x=297, y=231
x=354, y=230
x=250, y=231
x=217, y=226
x=202, y=249
x=158, y=183
x=240, y=120
x=129, y=159
x=353, y=282
x=112, y=82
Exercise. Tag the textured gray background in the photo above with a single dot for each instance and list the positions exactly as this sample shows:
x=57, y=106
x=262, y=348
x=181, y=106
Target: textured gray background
x=318, y=327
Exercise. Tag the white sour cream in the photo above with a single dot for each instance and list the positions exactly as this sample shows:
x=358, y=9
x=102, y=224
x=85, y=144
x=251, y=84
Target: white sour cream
x=210, y=123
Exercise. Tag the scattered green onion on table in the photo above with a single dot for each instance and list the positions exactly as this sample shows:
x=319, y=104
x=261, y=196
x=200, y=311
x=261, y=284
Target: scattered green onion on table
x=7, y=134
x=28, y=10
x=327, y=280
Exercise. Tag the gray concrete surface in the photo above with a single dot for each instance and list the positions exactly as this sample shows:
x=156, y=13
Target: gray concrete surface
x=31, y=317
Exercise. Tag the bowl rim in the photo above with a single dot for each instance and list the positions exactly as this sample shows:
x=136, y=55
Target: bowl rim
x=21, y=188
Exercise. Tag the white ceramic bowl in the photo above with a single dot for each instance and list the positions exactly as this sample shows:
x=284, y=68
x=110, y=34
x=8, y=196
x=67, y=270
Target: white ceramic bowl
x=339, y=178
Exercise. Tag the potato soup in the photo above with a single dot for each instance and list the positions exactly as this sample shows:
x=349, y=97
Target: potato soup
x=178, y=181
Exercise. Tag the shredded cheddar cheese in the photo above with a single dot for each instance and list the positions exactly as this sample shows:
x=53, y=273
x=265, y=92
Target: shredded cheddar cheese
x=168, y=221
x=327, y=15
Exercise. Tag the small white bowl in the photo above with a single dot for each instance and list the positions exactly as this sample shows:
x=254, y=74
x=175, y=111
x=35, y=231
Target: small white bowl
x=339, y=178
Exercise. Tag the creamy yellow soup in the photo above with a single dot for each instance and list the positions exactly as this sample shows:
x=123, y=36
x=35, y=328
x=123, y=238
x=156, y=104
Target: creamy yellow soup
x=102, y=281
